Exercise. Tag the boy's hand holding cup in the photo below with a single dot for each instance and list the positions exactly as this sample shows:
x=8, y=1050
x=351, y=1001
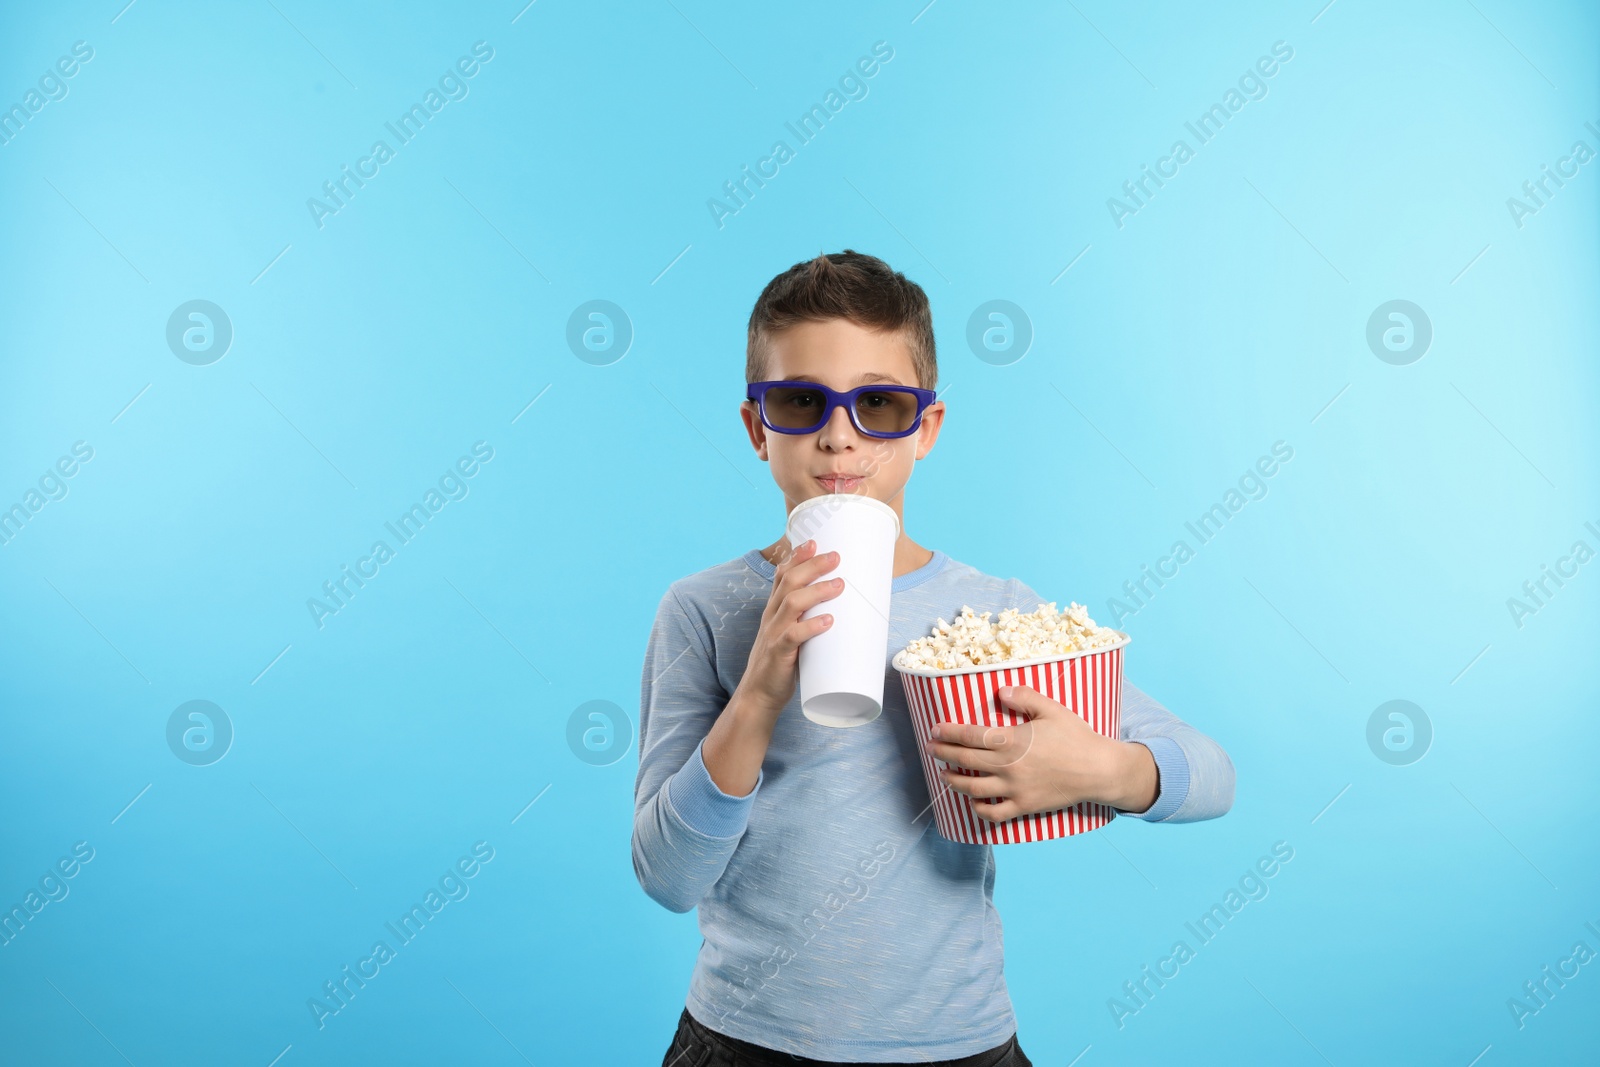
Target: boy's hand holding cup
x=770, y=674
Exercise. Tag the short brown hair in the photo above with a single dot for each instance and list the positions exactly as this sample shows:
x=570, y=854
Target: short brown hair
x=844, y=285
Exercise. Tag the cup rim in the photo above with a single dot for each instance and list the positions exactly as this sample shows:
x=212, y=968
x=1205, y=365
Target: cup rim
x=814, y=501
x=982, y=668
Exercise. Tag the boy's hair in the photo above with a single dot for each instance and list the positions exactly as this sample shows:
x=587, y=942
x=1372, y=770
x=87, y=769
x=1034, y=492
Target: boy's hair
x=844, y=285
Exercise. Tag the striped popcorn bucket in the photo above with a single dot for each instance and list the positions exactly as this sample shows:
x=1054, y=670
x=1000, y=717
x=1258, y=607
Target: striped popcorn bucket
x=1089, y=683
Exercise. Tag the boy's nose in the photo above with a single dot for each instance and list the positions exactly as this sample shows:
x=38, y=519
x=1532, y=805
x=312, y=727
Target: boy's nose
x=839, y=431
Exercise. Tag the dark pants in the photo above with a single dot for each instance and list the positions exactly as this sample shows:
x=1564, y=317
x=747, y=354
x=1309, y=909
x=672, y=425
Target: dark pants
x=697, y=1045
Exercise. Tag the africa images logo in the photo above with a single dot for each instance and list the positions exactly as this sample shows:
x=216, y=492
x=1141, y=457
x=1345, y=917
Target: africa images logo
x=811, y=123
x=452, y=85
x=1252, y=86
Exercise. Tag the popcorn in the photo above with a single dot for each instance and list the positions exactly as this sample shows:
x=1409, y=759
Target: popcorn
x=972, y=641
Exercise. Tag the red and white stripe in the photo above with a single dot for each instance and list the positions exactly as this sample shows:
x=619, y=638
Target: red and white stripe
x=1090, y=684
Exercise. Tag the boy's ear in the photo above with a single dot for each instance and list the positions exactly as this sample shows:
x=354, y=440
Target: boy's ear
x=928, y=432
x=754, y=427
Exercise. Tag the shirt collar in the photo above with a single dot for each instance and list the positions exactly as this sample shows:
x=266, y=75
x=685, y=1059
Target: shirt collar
x=900, y=584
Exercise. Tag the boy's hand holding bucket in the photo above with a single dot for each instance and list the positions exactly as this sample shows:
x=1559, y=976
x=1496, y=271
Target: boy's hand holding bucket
x=1054, y=760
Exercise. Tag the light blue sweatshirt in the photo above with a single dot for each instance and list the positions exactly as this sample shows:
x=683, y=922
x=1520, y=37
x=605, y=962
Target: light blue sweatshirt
x=838, y=923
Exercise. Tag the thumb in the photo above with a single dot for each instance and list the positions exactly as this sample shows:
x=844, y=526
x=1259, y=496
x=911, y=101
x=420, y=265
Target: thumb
x=1031, y=702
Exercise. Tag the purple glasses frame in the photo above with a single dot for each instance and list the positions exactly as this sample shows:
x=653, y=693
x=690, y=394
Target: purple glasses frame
x=757, y=392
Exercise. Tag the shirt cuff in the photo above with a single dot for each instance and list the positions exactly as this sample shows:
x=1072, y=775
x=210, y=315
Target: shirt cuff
x=705, y=808
x=1172, y=771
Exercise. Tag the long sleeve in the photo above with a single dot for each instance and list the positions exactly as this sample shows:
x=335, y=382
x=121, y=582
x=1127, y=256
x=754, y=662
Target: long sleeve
x=1195, y=775
x=685, y=829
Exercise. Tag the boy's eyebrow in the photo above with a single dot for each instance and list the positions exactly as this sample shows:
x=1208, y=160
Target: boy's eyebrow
x=869, y=376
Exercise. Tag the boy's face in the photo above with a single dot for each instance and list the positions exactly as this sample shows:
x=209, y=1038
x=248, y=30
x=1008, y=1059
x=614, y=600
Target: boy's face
x=841, y=355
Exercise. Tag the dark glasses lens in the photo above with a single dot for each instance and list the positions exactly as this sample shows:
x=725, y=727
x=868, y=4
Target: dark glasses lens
x=797, y=407
x=794, y=407
x=888, y=411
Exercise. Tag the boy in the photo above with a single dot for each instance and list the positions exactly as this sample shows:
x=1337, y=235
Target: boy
x=838, y=926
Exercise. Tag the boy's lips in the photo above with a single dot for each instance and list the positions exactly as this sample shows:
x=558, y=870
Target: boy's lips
x=839, y=483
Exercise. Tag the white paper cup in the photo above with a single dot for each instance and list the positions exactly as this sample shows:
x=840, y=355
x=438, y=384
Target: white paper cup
x=841, y=668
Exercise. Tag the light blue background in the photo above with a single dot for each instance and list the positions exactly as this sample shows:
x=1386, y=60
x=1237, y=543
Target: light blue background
x=370, y=353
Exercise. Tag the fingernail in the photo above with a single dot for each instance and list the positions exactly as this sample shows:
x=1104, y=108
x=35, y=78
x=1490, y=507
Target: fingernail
x=936, y=731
